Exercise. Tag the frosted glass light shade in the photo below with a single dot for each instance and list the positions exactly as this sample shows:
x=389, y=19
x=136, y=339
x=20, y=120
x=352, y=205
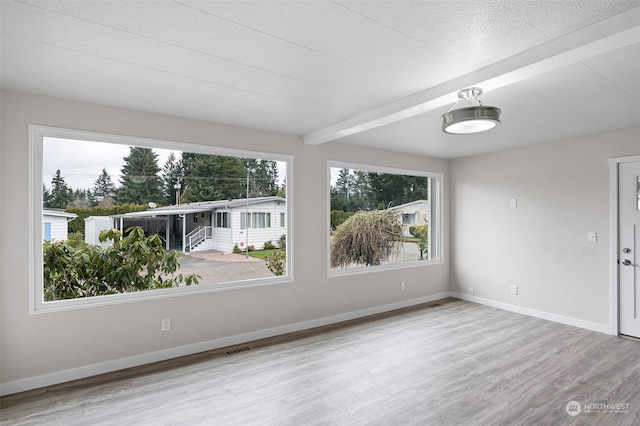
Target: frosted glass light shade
x=470, y=120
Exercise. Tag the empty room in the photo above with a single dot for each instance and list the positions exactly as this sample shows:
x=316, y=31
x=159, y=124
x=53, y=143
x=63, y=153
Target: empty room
x=320, y=212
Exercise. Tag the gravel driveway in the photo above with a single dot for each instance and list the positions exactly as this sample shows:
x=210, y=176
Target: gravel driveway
x=216, y=267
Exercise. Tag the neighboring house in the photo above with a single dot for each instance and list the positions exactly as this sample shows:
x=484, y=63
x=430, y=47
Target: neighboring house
x=55, y=224
x=213, y=225
x=413, y=213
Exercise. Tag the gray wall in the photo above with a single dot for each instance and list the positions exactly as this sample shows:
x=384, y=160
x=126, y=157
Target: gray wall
x=562, y=189
x=35, y=349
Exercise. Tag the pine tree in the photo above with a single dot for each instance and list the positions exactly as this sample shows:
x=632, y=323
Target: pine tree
x=81, y=198
x=46, y=196
x=140, y=183
x=60, y=195
x=103, y=186
x=341, y=191
x=263, y=177
x=212, y=177
x=171, y=176
x=391, y=189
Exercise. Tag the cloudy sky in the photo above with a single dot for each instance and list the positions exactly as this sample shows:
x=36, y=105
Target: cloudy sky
x=81, y=162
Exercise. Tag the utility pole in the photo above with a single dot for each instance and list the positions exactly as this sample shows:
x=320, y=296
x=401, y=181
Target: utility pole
x=177, y=187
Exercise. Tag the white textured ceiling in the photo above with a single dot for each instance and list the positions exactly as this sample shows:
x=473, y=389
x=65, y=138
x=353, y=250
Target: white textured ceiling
x=370, y=73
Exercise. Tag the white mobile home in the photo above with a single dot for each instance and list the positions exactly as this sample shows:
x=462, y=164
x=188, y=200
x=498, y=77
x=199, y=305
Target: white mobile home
x=414, y=213
x=213, y=225
x=55, y=224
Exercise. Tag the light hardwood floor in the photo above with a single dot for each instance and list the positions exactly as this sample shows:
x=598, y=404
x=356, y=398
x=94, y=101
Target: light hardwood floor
x=455, y=363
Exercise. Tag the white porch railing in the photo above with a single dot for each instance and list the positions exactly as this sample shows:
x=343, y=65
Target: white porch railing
x=198, y=235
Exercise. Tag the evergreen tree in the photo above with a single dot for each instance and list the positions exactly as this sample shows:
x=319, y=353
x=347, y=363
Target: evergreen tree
x=341, y=196
x=140, y=183
x=282, y=190
x=60, y=195
x=263, y=177
x=103, y=186
x=171, y=176
x=392, y=189
x=81, y=198
x=46, y=195
x=344, y=182
x=212, y=177
x=361, y=191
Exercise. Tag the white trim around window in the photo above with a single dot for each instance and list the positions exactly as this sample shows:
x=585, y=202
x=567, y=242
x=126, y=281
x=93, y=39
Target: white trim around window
x=435, y=192
x=38, y=133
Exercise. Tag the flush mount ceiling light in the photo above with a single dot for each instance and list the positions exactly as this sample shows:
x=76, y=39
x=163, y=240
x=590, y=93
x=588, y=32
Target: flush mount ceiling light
x=473, y=118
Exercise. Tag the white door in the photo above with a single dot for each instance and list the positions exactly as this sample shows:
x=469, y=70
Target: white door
x=629, y=254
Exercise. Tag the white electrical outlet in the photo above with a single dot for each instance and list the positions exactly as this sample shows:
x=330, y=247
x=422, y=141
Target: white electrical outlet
x=514, y=290
x=166, y=324
x=402, y=286
x=470, y=291
x=513, y=203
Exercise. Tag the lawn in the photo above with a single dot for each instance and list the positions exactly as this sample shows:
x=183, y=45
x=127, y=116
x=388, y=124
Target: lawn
x=261, y=254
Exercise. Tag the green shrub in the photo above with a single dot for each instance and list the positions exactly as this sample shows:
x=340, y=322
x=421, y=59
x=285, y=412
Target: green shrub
x=131, y=263
x=251, y=247
x=236, y=249
x=422, y=233
x=277, y=263
x=75, y=239
x=338, y=217
x=282, y=242
x=268, y=245
x=77, y=224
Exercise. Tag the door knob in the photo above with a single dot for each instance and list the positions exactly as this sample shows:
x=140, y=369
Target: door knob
x=626, y=250
x=626, y=262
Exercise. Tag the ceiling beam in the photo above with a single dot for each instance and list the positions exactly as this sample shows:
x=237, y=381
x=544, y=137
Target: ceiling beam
x=614, y=33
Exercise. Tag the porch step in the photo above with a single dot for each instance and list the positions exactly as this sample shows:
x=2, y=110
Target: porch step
x=206, y=244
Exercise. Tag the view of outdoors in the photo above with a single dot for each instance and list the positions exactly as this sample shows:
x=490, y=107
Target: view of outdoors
x=119, y=218
x=378, y=218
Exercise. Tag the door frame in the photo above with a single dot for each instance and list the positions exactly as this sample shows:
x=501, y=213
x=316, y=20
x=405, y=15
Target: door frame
x=614, y=232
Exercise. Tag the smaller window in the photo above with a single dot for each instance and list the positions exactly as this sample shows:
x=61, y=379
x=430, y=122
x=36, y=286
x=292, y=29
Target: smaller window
x=47, y=231
x=195, y=218
x=408, y=219
x=222, y=220
x=260, y=220
x=282, y=222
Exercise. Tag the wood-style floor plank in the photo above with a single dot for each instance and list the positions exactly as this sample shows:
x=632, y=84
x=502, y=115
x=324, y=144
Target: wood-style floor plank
x=452, y=363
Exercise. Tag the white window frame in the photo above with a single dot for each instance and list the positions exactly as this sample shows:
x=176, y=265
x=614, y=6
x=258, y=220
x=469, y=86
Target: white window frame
x=436, y=226
x=260, y=218
x=37, y=305
x=221, y=221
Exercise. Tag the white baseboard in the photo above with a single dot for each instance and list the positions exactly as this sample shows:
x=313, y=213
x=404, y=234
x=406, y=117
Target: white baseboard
x=137, y=360
x=537, y=314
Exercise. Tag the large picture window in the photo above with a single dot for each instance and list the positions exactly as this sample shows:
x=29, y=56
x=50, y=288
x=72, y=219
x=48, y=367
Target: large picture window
x=118, y=218
x=382, y=218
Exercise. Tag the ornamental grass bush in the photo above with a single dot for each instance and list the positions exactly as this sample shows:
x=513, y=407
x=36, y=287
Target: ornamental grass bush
x=366, y=238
